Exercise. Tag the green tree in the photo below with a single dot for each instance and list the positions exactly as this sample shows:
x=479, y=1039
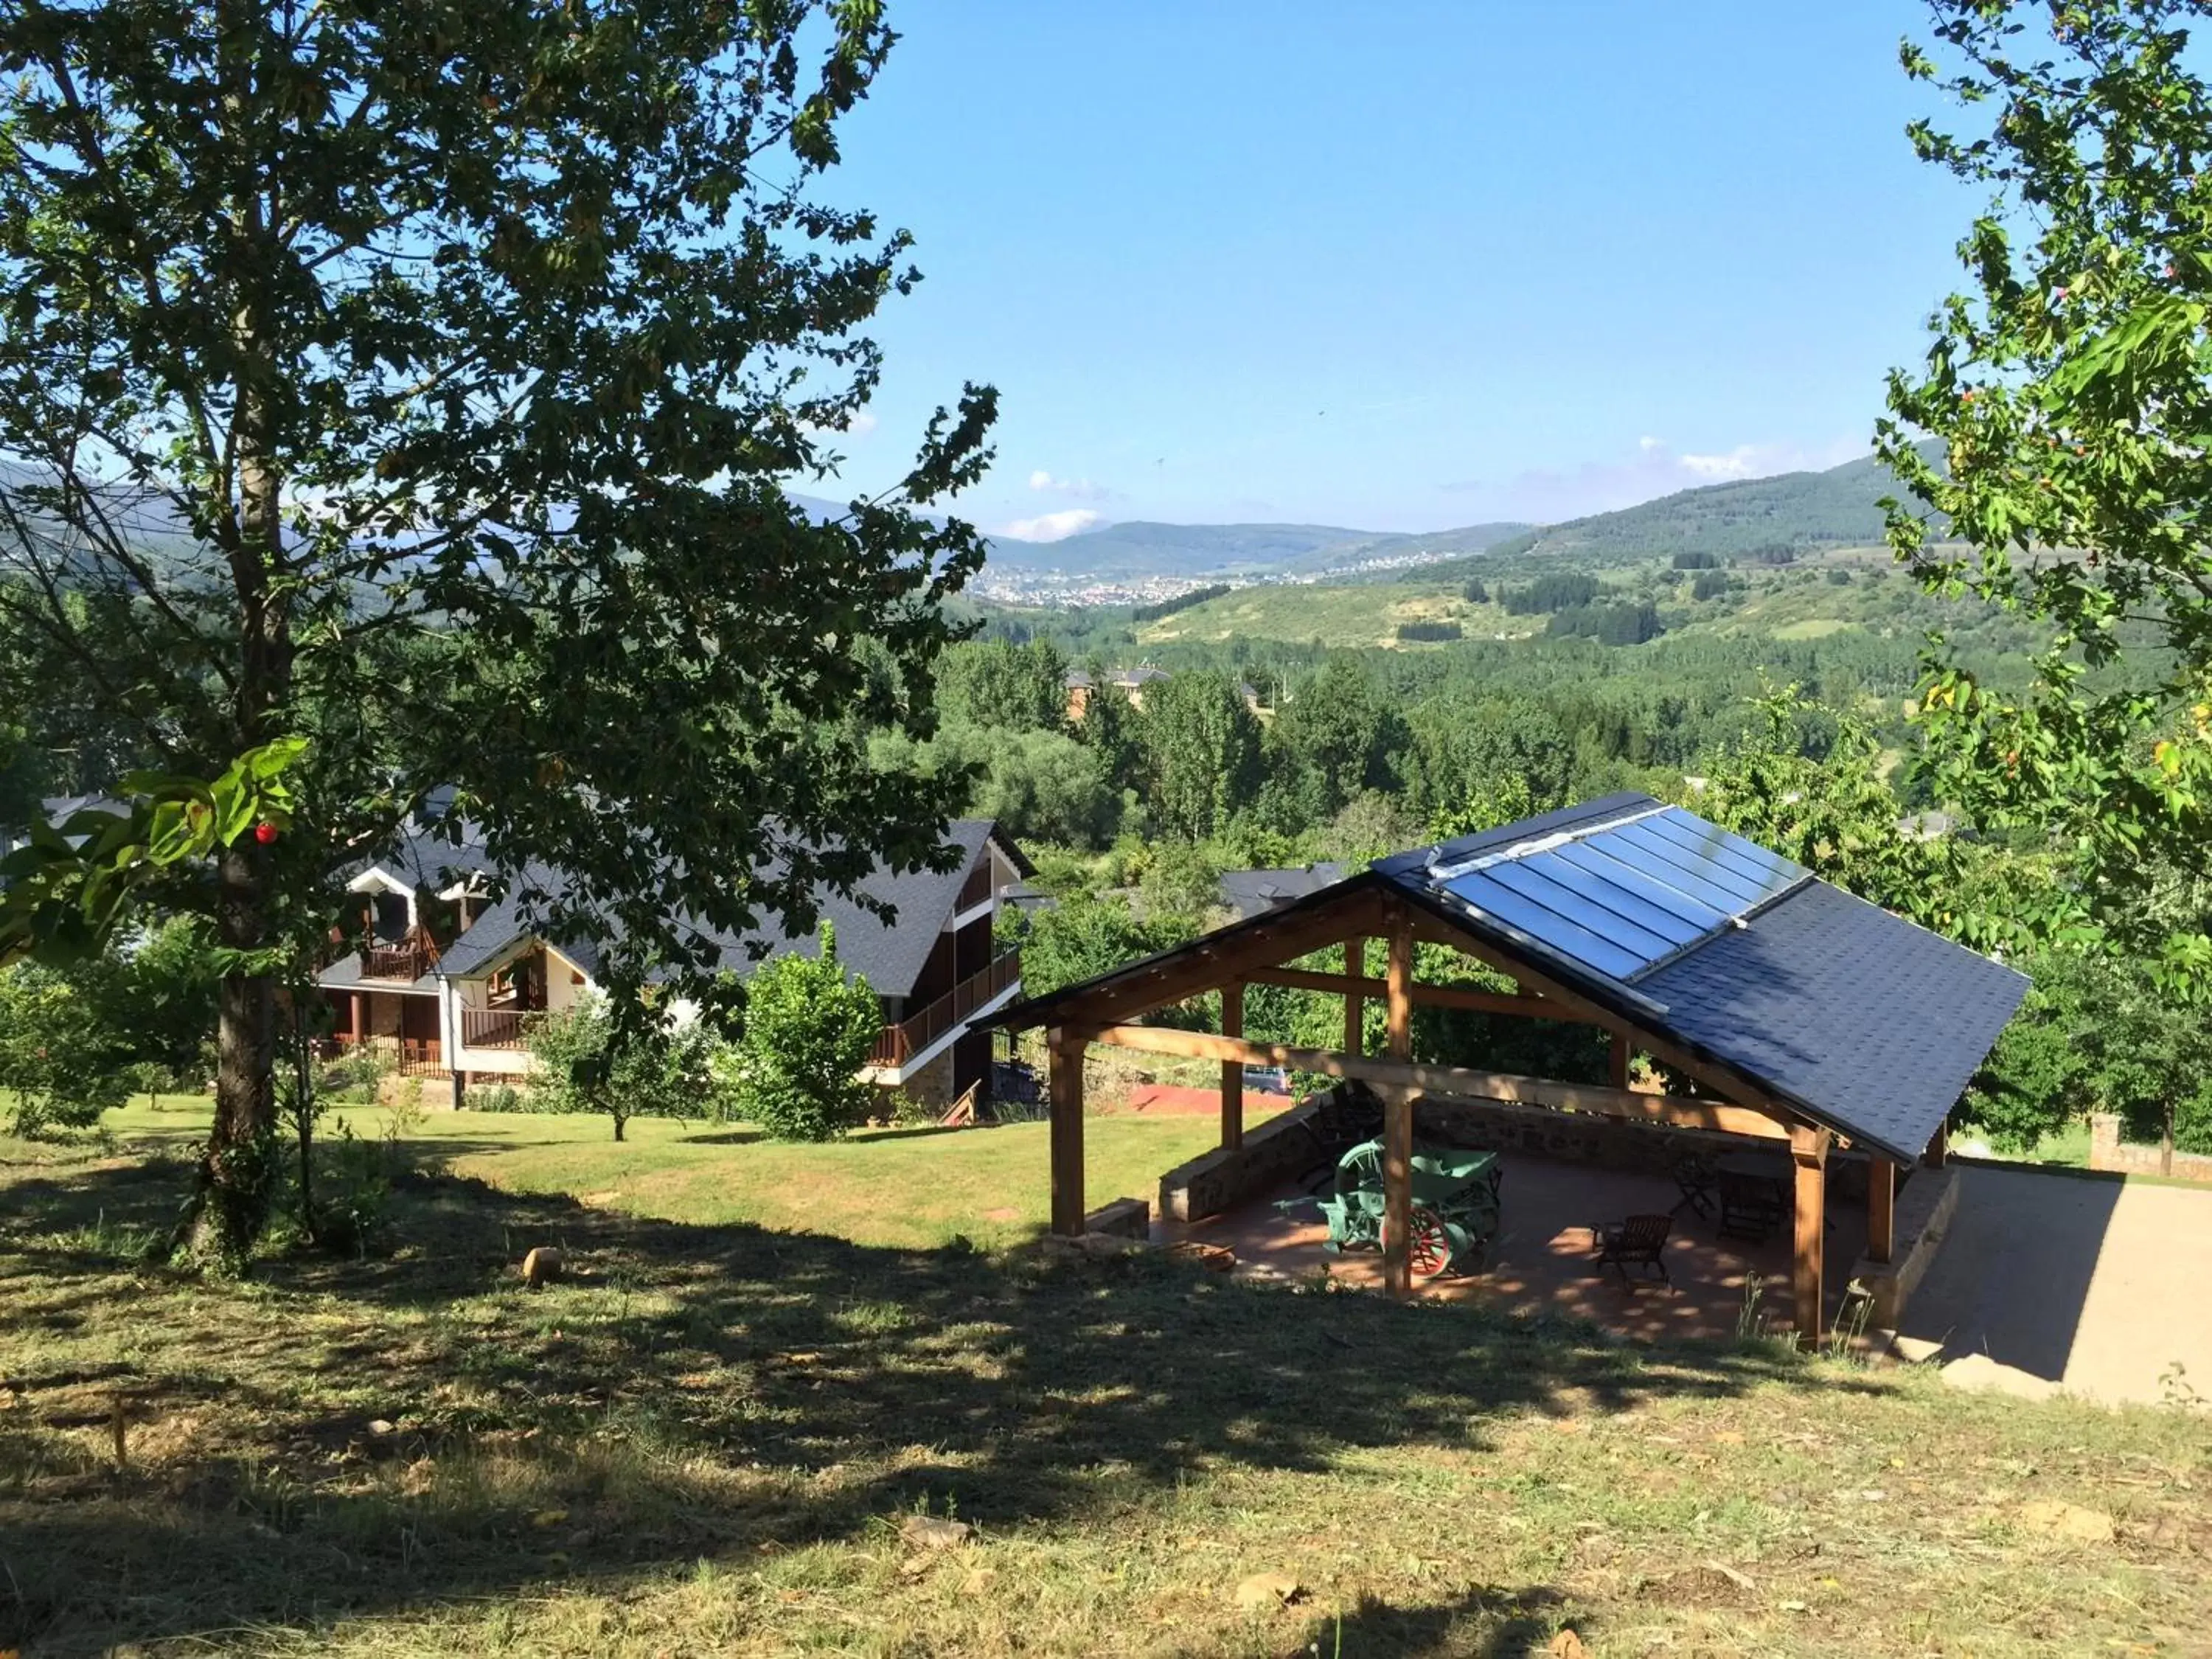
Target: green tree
x=172, y=976
x=1202, y=751
x=1019, y=688
x=1338, y=727
x=809, y=1028
x=1111, y=728
x=1838, y=816
x=590, y=1062
x=61, y=1048
x=1090, y=935
x=2068, y=390
x=422, y=380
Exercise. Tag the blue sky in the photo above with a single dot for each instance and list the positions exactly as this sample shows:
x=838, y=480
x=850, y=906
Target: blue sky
x=1396, y=265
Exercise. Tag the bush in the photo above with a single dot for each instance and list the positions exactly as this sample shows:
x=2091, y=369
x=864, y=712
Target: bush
x=62, y=1054
x=1413, y=633
x=661, y=1067
x=1710, y=585
x=808, y=1032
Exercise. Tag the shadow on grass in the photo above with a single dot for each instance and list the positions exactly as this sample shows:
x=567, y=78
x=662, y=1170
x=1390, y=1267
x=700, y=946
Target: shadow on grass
x=1485, y=1622
x=335, y=1438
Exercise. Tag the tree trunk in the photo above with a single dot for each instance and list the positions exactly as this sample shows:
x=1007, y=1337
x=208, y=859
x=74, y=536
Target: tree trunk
x=238, y=1165
x=619, y=1121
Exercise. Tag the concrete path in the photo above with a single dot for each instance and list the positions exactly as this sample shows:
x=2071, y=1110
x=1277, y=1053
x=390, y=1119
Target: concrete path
x=2091, y=1284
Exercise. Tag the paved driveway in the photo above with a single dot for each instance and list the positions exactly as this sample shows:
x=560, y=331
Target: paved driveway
x=2095, y=1284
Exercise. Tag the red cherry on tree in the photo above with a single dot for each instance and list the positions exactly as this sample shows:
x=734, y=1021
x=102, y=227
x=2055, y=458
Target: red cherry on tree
x=265, y=833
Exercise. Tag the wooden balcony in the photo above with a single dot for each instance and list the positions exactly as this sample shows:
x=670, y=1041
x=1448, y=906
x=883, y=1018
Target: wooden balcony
x=500, y=1028
x=409, y=1056
x=897, y=1044
x=406, y=963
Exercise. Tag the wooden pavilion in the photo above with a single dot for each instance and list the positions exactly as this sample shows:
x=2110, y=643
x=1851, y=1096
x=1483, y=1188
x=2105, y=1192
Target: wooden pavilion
x=1808, y=1018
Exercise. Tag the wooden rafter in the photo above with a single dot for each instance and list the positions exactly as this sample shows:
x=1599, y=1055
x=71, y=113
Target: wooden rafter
x=1425, y=996
x=1409, y=1075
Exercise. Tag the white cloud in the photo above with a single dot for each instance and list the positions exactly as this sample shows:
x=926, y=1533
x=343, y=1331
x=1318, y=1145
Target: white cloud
x=1050, y=526
x=1649, y=444
x=1079, y=489
x=1744, y=461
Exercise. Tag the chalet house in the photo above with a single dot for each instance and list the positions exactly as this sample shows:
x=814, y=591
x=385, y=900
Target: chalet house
x=451, y=984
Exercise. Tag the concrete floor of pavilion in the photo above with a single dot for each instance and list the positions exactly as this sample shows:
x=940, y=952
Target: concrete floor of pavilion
x=1543, y=1261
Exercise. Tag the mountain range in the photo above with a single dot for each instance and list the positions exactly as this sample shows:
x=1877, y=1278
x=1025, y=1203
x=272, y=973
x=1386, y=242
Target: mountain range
x=1839, y=506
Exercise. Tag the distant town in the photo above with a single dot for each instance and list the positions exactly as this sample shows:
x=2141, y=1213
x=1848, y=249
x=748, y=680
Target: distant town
x=1007, y=583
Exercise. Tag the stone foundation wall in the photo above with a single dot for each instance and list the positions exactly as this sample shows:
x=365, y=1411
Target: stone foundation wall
x=1606, y=1142
x=1925, y=1204
x=932, y=1084
x=2108, y=1151
x=1222, y=1179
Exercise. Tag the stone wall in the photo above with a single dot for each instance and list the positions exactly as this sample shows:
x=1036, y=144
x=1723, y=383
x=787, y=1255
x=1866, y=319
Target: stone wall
x=1606, y=1142
x=1220, y=1179
x=1925, y=1204
x=2108, y=1151
x=932, y=1084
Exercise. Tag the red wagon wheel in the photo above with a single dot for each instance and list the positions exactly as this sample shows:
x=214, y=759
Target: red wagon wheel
x=1432, y=1251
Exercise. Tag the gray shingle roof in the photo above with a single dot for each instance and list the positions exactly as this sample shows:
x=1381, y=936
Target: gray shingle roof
x=890, y=955
x=1256, y=892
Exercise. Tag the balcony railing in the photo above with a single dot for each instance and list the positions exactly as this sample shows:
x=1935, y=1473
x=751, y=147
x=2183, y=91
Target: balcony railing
x=499, y=1028
x=409, y=1056
x=897, y=1044
x=407, y=962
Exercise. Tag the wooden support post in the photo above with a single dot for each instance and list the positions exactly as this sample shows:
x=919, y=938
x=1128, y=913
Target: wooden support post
x=1809, y=1150
x=1355, y=1006
x=1064, y=1088
x=1398, y=1117
x=1232, y=1070
x=1882, y=1207
x=1617, y=1058
x=1399, y=999
x=1398, y=1191
x=1939, y=1146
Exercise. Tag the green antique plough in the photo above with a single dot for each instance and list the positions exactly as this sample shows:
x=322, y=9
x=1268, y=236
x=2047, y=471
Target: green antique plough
x=1455, y=1205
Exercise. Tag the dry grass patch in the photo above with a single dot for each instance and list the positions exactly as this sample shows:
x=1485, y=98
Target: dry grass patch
x=708, y=1438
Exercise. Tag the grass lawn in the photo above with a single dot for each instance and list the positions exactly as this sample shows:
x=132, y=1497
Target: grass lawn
x=707, y=1440
x=892, y=1186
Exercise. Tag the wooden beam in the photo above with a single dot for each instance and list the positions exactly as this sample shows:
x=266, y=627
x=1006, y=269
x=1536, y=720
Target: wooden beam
x=1064, y=1090
x=1882, y=1207
x=1232, y=1070
x=1617, y=1054
x=1809, y=1151
x=1398, y=991
x=1425, y=996
x=1398, y=1192
x=1230, y=953
x=1939, y=1146
x=1450, y=1080
x=1355, y=1007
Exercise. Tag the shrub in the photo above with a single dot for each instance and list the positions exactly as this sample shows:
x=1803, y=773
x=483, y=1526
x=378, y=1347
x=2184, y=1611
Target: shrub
x=1420, y=632
x=808, y=1032
x=660, y=1067
x=61, y=1054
